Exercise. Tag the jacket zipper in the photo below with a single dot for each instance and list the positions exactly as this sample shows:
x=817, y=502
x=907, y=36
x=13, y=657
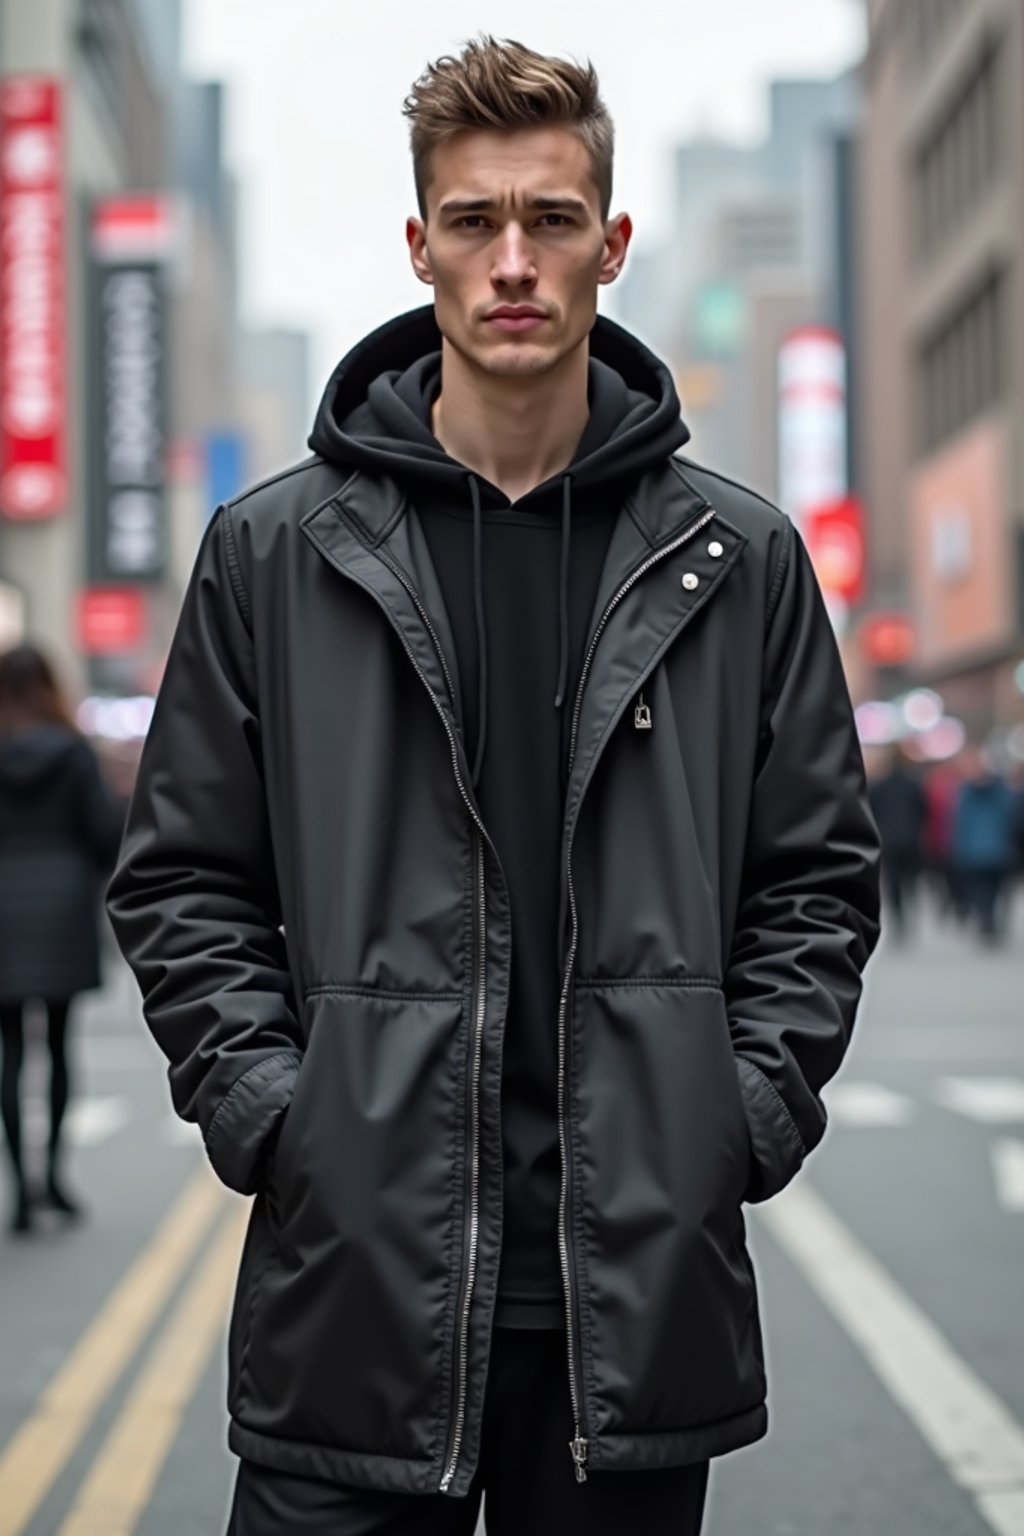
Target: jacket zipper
x=579, y=1445
x=478, y=1035
x=474, y=1197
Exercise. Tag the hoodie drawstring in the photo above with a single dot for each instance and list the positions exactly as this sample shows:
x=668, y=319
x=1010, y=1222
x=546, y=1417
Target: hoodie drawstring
x=563, y=594
x=481, y=634
x=481, y=626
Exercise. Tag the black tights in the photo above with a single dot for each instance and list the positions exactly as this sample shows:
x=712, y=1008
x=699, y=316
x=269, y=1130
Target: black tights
x=12, y=1033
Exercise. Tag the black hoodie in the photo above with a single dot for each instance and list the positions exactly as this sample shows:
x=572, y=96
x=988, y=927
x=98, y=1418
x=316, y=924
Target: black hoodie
x=518, y=581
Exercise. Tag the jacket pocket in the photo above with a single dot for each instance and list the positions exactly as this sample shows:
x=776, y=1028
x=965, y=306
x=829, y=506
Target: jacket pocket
x=667, y=1299
x=351, y=1340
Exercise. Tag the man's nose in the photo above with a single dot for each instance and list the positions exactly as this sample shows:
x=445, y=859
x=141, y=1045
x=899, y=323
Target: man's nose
x=513, y=260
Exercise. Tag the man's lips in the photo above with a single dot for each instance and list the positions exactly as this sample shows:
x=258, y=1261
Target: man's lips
x=515, y=318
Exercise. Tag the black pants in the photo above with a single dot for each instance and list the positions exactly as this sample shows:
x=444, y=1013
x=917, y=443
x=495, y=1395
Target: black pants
x=525, y=1471
x=13, y=1039
x=983, y=890
x=899, y=885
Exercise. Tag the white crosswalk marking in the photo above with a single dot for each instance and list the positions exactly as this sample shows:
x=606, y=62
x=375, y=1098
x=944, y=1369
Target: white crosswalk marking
x=992, y=1100
x=89, y=1122
x=866, y=1104
x=967, y=1426
x=1008, y=1168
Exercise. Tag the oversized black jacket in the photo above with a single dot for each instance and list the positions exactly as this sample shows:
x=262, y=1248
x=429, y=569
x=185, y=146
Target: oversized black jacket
x=321, y=932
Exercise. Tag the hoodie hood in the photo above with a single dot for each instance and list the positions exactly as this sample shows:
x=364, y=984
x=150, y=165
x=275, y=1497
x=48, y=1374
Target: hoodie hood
x=370, y=415
x=375, y=415
x=29, y=755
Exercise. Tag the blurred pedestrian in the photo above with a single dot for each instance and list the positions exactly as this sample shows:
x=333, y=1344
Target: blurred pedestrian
x=898, y=804
x=985, y=841
x=499, y=880
x=59, y=830
x=941, y=788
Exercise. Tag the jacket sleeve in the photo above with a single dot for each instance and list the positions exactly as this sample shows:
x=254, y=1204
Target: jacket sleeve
x=194, y=901
x=809, y=903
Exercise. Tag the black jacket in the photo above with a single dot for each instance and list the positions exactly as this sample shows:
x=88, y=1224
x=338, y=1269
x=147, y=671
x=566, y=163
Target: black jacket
x=517, y=583
x=59, y=832
x=320, y=928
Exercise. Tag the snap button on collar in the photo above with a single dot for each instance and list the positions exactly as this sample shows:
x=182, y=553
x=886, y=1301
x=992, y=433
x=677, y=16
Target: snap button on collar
x=690, y=581
x=715, y=550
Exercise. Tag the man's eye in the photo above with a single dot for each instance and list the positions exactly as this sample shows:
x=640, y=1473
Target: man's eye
x=471, y=221
x=555, y=219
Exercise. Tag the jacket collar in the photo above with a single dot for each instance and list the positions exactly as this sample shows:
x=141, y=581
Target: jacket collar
x=686, y=550
x=370, y=532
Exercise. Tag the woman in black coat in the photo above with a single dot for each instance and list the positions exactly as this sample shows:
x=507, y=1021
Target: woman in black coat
x=59, y=831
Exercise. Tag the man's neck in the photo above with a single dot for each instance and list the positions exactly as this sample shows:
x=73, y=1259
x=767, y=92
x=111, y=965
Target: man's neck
x=514, y=432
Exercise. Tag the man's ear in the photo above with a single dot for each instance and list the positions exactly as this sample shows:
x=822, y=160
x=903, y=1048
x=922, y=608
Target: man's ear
x=618, y=232
x=416, y=237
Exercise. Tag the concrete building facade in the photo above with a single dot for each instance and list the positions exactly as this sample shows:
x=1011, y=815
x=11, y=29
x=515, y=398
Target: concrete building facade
x=941, y=393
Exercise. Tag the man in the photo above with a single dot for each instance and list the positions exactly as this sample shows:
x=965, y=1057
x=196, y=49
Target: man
x=900, y=809
x=499, y=882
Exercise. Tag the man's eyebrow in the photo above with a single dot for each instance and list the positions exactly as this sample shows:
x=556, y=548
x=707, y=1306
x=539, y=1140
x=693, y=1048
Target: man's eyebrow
x=567, y=204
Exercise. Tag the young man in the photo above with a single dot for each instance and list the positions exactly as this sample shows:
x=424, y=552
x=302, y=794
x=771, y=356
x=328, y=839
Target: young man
x=499, y=881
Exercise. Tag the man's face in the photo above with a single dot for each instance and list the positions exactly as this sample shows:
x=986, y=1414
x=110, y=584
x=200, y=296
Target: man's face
x=514, y=247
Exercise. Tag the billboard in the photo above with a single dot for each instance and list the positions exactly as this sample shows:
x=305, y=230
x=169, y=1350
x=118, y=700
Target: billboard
x=812, y=421
x=33, y=387
x=128, y=535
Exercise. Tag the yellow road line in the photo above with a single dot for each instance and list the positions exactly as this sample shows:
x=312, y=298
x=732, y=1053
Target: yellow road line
x=122, y=1477
x=41, y=1447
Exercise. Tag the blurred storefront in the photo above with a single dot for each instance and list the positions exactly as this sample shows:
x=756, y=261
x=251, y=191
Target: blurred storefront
x=941, y=389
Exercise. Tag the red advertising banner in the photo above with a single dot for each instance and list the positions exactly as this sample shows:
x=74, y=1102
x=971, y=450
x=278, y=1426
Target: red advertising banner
x=33, y=469
x=111, y=620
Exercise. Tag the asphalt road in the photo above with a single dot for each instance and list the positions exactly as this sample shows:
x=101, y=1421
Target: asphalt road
x=892, y=1280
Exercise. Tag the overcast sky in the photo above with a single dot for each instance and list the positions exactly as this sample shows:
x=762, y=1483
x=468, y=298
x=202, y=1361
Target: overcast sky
x=316, y=136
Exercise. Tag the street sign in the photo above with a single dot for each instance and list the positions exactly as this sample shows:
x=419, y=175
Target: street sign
x=111, y=620
x=128, y=536
x=33, y=389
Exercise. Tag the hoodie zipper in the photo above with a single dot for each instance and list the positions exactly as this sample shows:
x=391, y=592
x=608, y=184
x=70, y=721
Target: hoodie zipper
x=480, y=836
x=579, y=1445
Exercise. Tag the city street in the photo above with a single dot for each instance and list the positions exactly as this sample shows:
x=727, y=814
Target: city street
x=892, y=1281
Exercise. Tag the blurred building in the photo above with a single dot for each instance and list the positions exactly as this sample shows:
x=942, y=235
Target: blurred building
x=131, y=399
x=941, y=387
x=753, y=254
x=82, y=118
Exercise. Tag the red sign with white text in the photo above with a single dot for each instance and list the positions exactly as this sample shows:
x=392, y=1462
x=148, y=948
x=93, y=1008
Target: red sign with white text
x=888, y=639
x=33, y=402
x=111, y=620
x=834, y=535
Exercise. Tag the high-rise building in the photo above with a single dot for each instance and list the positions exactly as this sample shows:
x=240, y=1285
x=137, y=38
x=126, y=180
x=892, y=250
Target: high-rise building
x=941, y=297
x=750, y=257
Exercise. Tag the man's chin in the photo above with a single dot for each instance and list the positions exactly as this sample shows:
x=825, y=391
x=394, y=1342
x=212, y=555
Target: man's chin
x=517, y=360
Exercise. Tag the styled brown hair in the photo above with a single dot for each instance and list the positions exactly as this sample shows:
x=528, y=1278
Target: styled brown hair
x=504, y=85
x=29, y=691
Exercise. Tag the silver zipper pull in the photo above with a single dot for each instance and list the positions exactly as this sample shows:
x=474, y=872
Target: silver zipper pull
x=579, y=1456
x=642, y=716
